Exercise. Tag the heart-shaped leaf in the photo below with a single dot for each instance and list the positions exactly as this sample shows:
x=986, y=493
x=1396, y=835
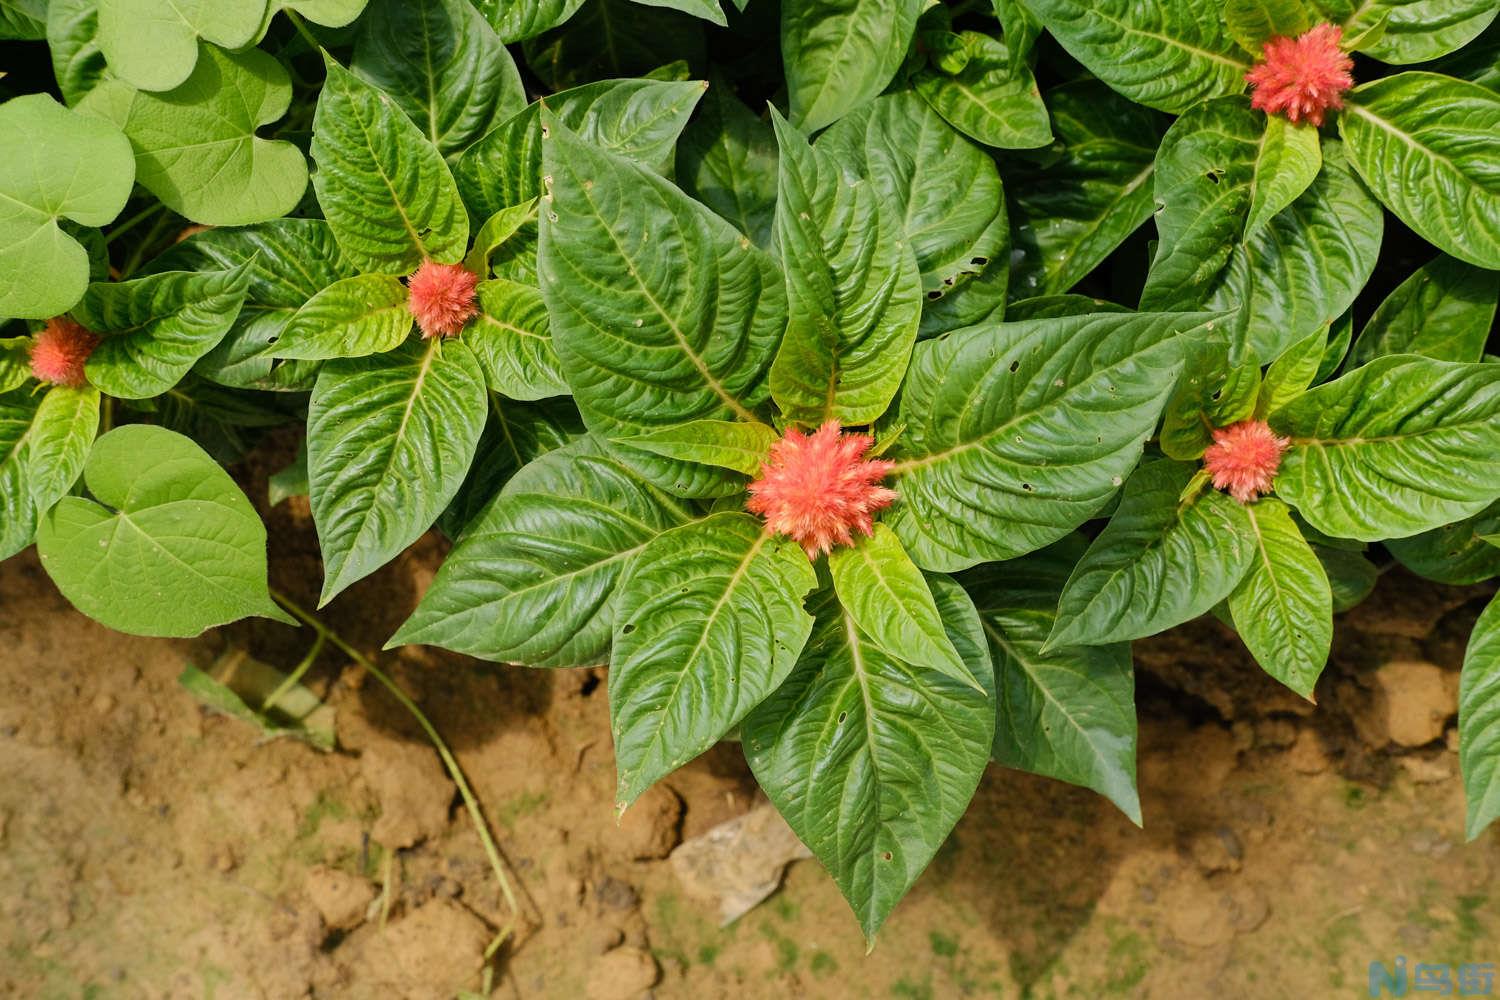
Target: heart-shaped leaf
x=838, y=55
x=153, y=44
x=73, y=40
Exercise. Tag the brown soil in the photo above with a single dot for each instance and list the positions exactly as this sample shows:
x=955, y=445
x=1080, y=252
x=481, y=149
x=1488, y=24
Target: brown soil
x=151, y=849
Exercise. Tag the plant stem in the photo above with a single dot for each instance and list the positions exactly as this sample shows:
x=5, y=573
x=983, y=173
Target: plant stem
x=302, y=29
x=129, y=223
x=296, y=675
x=491, y=850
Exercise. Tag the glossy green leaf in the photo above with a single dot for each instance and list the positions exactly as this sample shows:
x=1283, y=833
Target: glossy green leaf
x=18, y=515
x=614, y=38
x=169, y=546
x=1018, y=433
x=500, y=228
x=61, y=435
x=1444, y=310
x=512, y=340
x=1427, y=146
x=839, y=54
x=383, y=188
x=1019, y=26
x=1418, y=30
x=1289, y=375
x=1455, y=554
x=729, y=444
x=854, y=294
x=153, y=44
x=1071, y=212
x=1283, y=608
x=708, y=10
x=1479, y=721
x=443, y=64
x=533, y=579
x=1212, y=393
x=708, y=622
x=389, y=440
x=1351, y=576
x=994, y=99
x=1066, y=713
x=43, y=270
x=1288, y=159
x=157, y=327
x=330, y=13
x=514, y=435
x=871, y=760
x=365, y=314
x=1252, y=23
x=1168, y=55
x=1158, y=562
x=73, y=41
x=727, y=160
x=1402, y=445
x=518, y=20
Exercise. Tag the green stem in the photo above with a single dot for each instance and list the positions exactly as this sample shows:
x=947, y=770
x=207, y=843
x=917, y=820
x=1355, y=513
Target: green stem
x=136, y=255
x=296, y=675
x=481, y=825
x=129, y=223
x=303, y=30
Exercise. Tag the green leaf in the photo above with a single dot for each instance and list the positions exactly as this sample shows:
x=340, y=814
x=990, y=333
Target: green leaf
x=512, y=340
x=15, y=363
x=18, y=514
x=518, y=20
x=887, y=597
x=946, y=191
x=727, y=444
x=389, y=440
x=1427, y=145
x=708, y=622
x=155, y=328
x=515, y=434
x=24, y=20
x=1291, y=374
x=498, y=229
x=153, y=44
x=168, y=547
x=661, y=313
x=1402, y=445
x=1456, y=554
x=44, y=271
x=1288, y=159
x=196, y=147
x=1340, y=333
x=1065, y=713
x=854, y=295
x=614, y=38
x=298, y=713
x=1019, y=26
x=993, y=99
x=1419, y=30
x=1212, y=393
x=1159, y=561
x=73, y=40
x=330, y=13
x=839, y=54
x=533, y=579
x=1283, y=608
x=1351, y=576
x=709, y=10
x=62, y=432
x=1444, y=311
x=727, y=160
x=871, y=760
x=1479, y=721
x=1252, y=23
x=290, y=481
x=1178, y=51
x=353, y=317
x=1071, y=212
x=443, y=64
x=382, y=186
x=1018, y=433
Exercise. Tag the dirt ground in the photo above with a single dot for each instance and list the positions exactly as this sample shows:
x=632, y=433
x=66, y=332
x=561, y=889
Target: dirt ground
x=149, y=848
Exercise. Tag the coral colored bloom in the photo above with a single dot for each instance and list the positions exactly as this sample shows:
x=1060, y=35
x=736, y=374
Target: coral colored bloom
x=442, y=298
x=1243, y=458
x=1302, y=77
x=60, y=351
x=818, y=488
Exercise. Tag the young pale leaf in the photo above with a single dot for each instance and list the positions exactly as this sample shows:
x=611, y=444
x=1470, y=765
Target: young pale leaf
x=1283, y=608
x=443, y=63
x=1072, y=212
x=499, y=228
x=1288, y=159
x=168, y=547
x=841, y=53
x=512, y=340
x=351, y=318
x=1413, y=31
x=993, y=99
x=1479, y=721
x=155, y=328
x=727, y=160
x=887, y=597
x=1066, y=713
x=533, y=579
x=728, y=444
x=73, y=40
x=389, y=440
x=1444, y=311
x=871, y=760
x=1289, y=375
x=44, y=271
x=153, y=44
x=518, y=20
x=1402, y=445
x=1457, y=554
x=1178, y=51
x=1159, y=562
x=382, y=186
x=1018, y=433
x=854, y=294
x=1427, y=145
x=708, y=622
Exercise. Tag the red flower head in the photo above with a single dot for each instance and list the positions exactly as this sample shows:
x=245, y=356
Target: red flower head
x=1243, y=458
x=819, y=489
x=442, y=298
x=1302, y=77
x=60, y=351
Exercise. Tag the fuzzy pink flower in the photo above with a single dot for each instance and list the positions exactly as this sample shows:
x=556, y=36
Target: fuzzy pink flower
x=1244, y=458
x=1302, y=77
x=60, y=351
x=819, y=489
x=442, y=298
